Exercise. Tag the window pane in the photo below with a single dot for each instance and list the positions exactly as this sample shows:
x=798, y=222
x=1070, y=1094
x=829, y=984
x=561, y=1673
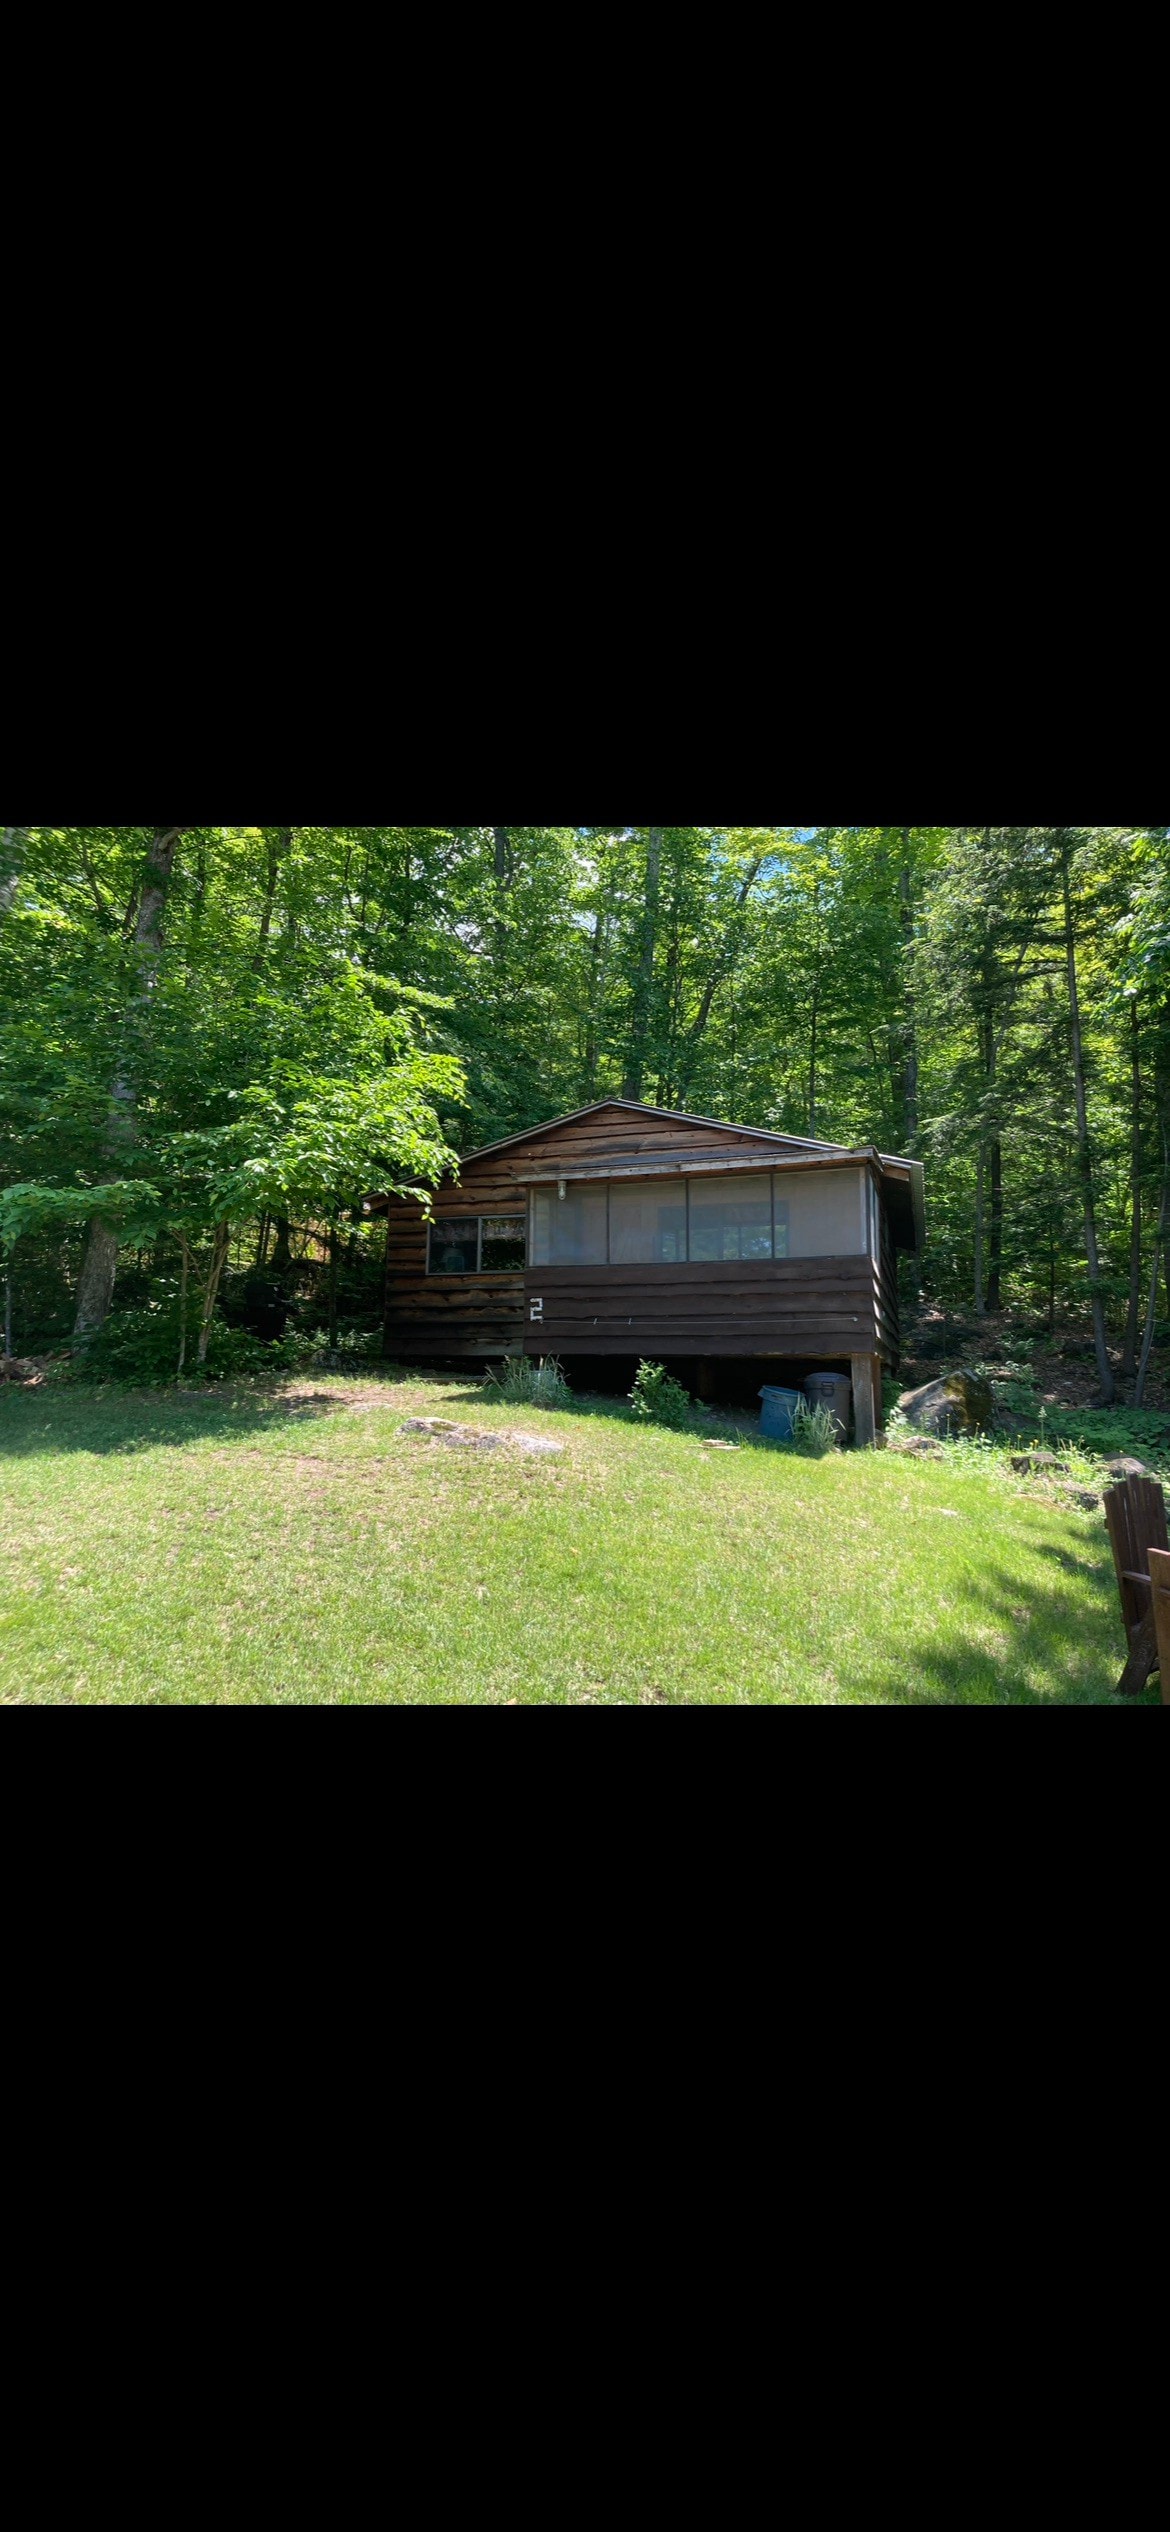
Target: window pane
x=455, y=1247
x=783, y=1229
x=569, y=1230
x=731, y=1218
x=505, y=1245
x=648, y=1226
x=827, y=1211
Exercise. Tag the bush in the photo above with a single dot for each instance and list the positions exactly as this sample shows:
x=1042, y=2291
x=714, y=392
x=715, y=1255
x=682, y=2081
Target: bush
x=658, y=1399
x=522, y=1383
x=141, y=1349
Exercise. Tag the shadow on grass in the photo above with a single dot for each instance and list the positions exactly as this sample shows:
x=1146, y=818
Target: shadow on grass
x=114, y=1423
x=1075, y=1645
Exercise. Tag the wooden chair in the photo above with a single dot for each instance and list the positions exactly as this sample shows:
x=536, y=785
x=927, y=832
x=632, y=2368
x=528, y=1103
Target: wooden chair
x=1160, y=1577
x=1136, y=1516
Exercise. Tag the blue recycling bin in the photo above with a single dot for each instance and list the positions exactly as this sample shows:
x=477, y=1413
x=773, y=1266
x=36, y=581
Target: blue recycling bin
x=780, y=1407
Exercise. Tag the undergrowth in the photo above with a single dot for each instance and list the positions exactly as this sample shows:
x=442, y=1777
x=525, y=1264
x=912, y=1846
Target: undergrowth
x=521, y=1382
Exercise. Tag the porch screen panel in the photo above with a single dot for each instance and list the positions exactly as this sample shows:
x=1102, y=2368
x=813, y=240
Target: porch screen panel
x=648, y=1225
x=570, y=1230
x=827, y=1211
x=731, y=1218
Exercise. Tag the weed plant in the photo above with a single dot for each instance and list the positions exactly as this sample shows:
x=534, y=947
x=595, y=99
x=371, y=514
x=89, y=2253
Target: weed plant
x=657, y=1399
x=521, y=1382
x=815, y=1430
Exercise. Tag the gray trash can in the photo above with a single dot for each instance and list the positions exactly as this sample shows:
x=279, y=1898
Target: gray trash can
x=780, y=1406
x=834, y=1391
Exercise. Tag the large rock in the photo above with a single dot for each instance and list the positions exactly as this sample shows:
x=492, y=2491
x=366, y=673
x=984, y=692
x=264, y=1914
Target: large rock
x=1117, y=1470
x=959, y=1403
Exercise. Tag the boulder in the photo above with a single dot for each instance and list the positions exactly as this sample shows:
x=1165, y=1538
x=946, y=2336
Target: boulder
x=15, y=1367
x=961, y=1402
x=1117, y=1470
x=472, y=1437
x=1083, y=1495
x=1039, y=1464
x=916, y=1446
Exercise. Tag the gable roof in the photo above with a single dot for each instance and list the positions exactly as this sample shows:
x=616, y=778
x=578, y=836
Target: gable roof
x=671, y=1116
x=907, y=1177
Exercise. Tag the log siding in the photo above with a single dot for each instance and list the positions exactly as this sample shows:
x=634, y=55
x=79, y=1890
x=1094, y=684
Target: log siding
x=813, y=1309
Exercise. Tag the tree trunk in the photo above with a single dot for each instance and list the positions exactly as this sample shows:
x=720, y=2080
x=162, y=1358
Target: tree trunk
x=95, y=1292
x=644, y=989
x=1129, y=1358
x=995, y=1246
x=277, y=849
x=910, y=1071
x=726, y=965
x=214, y=1279
x=980, y=1181
x=13, y=840
x=184, y=1287
x=503, y=845
x=596, y=969
x=8, y=1309
x=334, y=1266
x=100, y=1268
x=1084, y=1147
x=1160, y=1250
x=282, y=1256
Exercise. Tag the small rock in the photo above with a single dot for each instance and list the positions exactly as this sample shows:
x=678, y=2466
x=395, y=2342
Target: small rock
x=1039, y=1464
x=1081, y=1495
x=917, y=1446
x=720, y=1446
x=535, y=1446
x=962, y=1402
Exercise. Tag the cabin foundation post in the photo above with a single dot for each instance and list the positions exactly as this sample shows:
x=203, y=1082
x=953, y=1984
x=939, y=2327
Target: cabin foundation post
x=864, y=1406
x=706, y=1382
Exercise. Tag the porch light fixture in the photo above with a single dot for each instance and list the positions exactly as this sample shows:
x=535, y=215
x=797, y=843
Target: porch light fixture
x=562, y=1190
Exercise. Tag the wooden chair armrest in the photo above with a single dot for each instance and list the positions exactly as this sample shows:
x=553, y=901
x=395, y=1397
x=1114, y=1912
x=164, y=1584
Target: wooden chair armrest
x=1143, y=1579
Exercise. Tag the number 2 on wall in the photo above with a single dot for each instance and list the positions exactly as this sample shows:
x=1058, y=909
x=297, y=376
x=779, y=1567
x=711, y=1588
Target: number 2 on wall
x=536, y=1310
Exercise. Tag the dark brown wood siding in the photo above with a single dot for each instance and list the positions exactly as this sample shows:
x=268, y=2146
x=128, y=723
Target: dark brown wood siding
x=822, y=1307
x=435, y=1316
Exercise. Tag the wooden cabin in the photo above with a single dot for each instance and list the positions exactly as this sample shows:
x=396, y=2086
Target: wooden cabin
x=625, y=1232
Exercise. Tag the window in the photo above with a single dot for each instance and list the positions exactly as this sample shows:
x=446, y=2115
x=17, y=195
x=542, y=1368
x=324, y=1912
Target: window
x=478, y=1244
x=455, y=1247
x=648, y=1226
x=731, y=1218
x=570, y=1230
x=722, y=1218
x=826, y=1212
x=505, y=1244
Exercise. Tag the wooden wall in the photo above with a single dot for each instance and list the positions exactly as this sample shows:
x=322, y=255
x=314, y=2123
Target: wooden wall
x=822, y=1309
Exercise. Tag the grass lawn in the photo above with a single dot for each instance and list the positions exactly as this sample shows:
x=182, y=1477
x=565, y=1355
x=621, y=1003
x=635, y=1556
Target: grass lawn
x=296, y=1547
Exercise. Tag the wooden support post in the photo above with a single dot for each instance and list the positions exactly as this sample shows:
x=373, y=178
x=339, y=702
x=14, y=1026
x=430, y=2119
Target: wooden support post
x=864, y=1416
x=879, y=1373
x=1160, y=1577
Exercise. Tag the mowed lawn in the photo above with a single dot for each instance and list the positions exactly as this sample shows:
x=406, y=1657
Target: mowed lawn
x=298, y=1548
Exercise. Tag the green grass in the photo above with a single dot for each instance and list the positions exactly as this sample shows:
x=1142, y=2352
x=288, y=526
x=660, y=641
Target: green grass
x=296, y=1547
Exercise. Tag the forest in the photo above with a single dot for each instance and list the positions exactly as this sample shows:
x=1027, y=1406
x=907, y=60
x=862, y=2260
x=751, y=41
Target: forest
x=216, y=1043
